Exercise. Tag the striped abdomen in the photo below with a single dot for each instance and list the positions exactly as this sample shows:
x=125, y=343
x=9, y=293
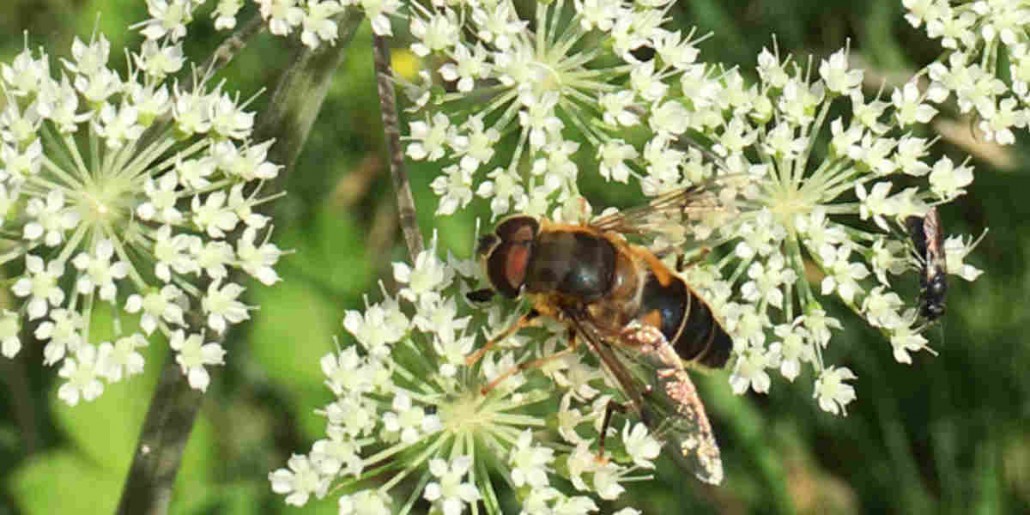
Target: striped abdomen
x=685, y=320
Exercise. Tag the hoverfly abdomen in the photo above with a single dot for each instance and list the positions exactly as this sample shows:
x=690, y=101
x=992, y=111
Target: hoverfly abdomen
x=571, y=263
x=685, y=320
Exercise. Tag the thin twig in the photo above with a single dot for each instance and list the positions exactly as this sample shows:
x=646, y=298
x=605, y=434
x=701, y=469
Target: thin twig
x=174, y=405
x=402, y=187
x=232, y=45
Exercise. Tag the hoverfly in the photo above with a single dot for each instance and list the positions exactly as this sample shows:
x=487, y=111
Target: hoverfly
x=639, y=317
x=926, y=235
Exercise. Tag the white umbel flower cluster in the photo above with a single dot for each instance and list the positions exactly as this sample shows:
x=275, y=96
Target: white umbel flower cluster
x=315, y=21
x=986, y=66
x=409, y=414
x=552, y=91
x=130, y=191
x=814, y=205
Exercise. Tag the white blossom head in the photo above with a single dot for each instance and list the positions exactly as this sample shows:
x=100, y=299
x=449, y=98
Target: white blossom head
x=535, y=95
x=809, y=182
x=979, y=39
x=129, y=191
x=408, y=410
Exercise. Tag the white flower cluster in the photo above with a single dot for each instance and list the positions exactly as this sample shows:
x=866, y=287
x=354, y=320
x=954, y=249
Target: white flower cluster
x=807, y=197
x=540, y=91
x=314, y=20
x=129, y=191
x=981, y=37
x=410, y=413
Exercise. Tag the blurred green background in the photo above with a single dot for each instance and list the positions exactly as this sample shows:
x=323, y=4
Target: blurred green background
x=949, y=434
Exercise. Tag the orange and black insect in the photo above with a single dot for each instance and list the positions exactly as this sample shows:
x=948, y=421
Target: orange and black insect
x=640, y=318
x=926, y=235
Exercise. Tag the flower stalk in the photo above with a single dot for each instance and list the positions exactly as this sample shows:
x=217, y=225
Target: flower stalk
x=392, y=134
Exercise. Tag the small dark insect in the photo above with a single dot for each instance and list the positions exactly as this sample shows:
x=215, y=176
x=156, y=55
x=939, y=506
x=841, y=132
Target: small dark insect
x=639, y=317
x=926, y=235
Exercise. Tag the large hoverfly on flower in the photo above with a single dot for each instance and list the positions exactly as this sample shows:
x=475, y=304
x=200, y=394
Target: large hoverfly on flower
x=638, y=316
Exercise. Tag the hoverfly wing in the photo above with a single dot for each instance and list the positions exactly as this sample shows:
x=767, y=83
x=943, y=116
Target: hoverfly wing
x=690, y=213
x=653, y=378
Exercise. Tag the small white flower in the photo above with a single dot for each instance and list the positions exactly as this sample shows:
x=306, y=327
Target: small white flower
x=529, y=463
x=832, y=391
x=613, y=156
x=379, y=327
x=225, y=14
x=299, y=482
x=749, y=372
x=282, y=15
x=792, y=350
x=454, y=188
x=422, y=281
x=956, y=248
x=64, y=332
x=168, y=18
x=948, y=181
x=258, y=261
x=835, y=73
x=173, y=253
x=82, y=377
x=41, y=286
x=157, y=306
x=842, y=275
x=51, y=219
x=99, y=272
x=192, y=355
x=222, y=307
x=908, y=106
x=904, y=340
x=406, y=421
x=882, y=308
x=449, y=492
x=428, y=138
x=642, y=448
x=122, y=359
x=365, y=502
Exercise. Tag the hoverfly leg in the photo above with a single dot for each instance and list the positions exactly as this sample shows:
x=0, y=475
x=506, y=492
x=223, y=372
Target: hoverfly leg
x=522, y=367
x=682, y=263
x=612, y=407
x=523, y=322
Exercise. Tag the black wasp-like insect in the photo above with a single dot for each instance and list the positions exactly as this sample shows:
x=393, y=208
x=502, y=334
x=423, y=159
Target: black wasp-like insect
x=926, y=235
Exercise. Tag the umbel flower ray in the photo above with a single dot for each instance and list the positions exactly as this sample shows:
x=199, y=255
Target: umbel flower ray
x=409, y=426
x=128, y=190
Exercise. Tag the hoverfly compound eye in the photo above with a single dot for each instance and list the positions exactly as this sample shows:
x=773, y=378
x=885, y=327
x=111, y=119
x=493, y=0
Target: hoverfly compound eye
x=508, y=258
x=486, y=245
x=517, y=228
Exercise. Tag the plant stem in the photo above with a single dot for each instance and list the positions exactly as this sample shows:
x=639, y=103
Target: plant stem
x=401, y=185
x=232, y=45
x=174, y=406
x=166, y=429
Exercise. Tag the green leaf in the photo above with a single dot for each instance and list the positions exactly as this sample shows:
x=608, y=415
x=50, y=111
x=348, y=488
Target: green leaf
x=64, y=482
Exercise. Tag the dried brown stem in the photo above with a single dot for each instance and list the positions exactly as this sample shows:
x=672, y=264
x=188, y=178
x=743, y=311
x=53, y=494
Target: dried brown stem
x=402, y=186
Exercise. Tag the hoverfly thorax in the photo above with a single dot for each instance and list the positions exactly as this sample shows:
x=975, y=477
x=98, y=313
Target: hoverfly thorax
x=505, y=254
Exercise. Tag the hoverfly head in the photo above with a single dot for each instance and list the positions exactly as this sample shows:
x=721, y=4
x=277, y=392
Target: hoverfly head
x=505, y=254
